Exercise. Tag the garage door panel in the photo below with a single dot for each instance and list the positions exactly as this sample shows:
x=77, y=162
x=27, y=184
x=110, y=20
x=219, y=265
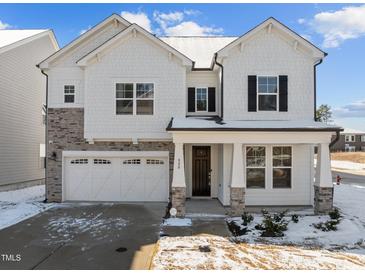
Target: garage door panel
x=134, y=179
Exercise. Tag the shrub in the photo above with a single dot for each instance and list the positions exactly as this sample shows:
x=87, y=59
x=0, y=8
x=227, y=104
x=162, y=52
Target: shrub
x=335, y=214
x=295, y=218
x=273, y=225
x=330, y=225
x=236, y=230
x=246, y=218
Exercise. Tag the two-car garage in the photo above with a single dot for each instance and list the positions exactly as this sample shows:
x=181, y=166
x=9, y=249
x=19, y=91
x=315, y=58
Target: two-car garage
x=116, y=176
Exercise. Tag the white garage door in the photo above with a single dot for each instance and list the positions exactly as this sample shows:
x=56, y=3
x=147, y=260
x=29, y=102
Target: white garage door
x=133, y=179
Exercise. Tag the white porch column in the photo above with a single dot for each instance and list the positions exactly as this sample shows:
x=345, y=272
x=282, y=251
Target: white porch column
x=323, y=186
x=238, y=184
x=178, y=186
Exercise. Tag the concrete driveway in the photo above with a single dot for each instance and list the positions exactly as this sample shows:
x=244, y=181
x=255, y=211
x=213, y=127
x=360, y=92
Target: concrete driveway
x=81, y=236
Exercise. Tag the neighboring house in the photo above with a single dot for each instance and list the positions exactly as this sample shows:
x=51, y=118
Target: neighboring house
x=22, y=111
x=350, y=140
x=134, y=117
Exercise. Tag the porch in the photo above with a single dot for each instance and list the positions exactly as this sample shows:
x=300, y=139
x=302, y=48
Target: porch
x=250, y=167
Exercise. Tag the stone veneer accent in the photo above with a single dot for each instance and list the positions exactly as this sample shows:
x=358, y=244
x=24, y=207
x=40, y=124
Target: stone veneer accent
x=323, y=199
x=237, y=201
x=66, y=132
x=178, y=197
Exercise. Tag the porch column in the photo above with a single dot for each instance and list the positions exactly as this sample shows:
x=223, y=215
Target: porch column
x=178, y=186
x=238, y=184
x=323, y=186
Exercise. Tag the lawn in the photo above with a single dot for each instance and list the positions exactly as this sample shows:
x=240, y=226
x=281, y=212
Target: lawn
x=302, y=247
x=356, y=157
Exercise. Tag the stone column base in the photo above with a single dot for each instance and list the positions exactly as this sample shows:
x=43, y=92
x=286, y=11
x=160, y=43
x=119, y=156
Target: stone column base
x=237, y=201
x=178, y=197
x=323, y=199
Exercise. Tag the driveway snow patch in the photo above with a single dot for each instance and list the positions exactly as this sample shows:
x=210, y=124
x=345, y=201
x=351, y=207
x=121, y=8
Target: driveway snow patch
x=21, y=204
x=177, y=222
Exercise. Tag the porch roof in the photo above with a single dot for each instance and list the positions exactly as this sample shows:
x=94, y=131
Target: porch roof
x=217, y=124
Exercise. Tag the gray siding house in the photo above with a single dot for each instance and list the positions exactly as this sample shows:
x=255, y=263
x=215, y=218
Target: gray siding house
x=22, y=117
x=351, y=140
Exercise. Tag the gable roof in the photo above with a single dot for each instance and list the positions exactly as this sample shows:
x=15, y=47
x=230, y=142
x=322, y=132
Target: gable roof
x=10, y=39
x=278, y=25
x=133, y=27
x=87, y=34
x=201, y=49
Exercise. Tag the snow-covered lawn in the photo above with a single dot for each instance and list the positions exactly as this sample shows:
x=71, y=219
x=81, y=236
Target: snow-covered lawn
x=21, y=204
x=302, y=247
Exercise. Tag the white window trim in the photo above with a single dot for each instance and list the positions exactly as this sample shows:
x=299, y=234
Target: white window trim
x=134, y=99
x=291, y=167
x=64, y=94
x=265, y=167
x=362, y=138
x=349, y=137
x=258, y=94
x=196, y=100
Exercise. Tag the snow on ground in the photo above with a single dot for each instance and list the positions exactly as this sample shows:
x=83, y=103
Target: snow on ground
x=184, y=253
x=21, y=204
x=302, y=247
x=347, y=165
x=177, y=222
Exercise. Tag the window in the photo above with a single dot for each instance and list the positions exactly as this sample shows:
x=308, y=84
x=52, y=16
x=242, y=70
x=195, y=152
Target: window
x=145, y=95
x=101, y=162
x=79, y=161
x=154, y=162
x=69, y=92
x=362, y=138
x=363, y=148
x=350, y=138
x=132, y=99
x=282, y=166
x=124, y=97
x=132, y=162
x=201, y=101
x=349, y=148
x=255, y=166
x=267, y=92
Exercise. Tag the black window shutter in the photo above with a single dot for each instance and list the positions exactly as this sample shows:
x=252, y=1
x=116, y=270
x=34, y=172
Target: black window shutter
x=283, y=93
x=252, y=93
x=211, y=99
x=191, y=99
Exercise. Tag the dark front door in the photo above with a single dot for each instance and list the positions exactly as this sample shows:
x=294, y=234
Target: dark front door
x=201, y=171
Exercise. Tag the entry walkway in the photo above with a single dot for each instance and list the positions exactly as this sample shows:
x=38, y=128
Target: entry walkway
x=209, y=208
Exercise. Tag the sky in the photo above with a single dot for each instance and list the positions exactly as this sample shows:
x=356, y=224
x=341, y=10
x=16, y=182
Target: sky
x=338, y=29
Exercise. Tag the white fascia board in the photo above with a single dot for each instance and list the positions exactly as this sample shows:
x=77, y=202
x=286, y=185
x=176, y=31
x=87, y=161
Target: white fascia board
x=134, y=27
x=45, y=63
x=253, y=137
x=74, y=153
x=317, y=53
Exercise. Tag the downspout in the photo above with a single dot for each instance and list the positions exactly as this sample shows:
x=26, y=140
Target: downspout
x=221, y=66
x=315, y=87
x=334, y=141
x=46, y=132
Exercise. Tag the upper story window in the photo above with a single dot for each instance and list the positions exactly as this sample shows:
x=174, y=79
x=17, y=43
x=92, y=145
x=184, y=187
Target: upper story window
x=350, y=138
x=362, y=138
x=134, y=98
x=201, y=99
x=267, y=93
x=69, y=93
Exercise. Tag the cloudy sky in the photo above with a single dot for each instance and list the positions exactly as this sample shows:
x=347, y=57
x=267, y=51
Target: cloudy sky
x=338, y=29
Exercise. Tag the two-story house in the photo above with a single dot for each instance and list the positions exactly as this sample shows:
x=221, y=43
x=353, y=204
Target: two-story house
x=135, y=117
x=22, y=111
x=351, y=140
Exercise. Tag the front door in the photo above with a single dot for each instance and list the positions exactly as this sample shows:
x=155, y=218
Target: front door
x=201, y=171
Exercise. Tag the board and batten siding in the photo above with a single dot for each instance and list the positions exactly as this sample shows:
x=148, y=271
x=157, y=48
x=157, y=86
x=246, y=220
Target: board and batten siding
x=22, y=92
x=268, y=54
x=144, y=62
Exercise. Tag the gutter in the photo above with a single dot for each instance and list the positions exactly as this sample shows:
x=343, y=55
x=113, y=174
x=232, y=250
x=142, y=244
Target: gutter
x=222, y=70
x=46, y=131
x=315, y=87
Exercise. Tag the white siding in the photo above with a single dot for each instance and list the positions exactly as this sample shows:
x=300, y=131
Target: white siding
x=22, y=92
x=64, y=69
x=134, y=60
x=203, y=79
x=268, y=54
